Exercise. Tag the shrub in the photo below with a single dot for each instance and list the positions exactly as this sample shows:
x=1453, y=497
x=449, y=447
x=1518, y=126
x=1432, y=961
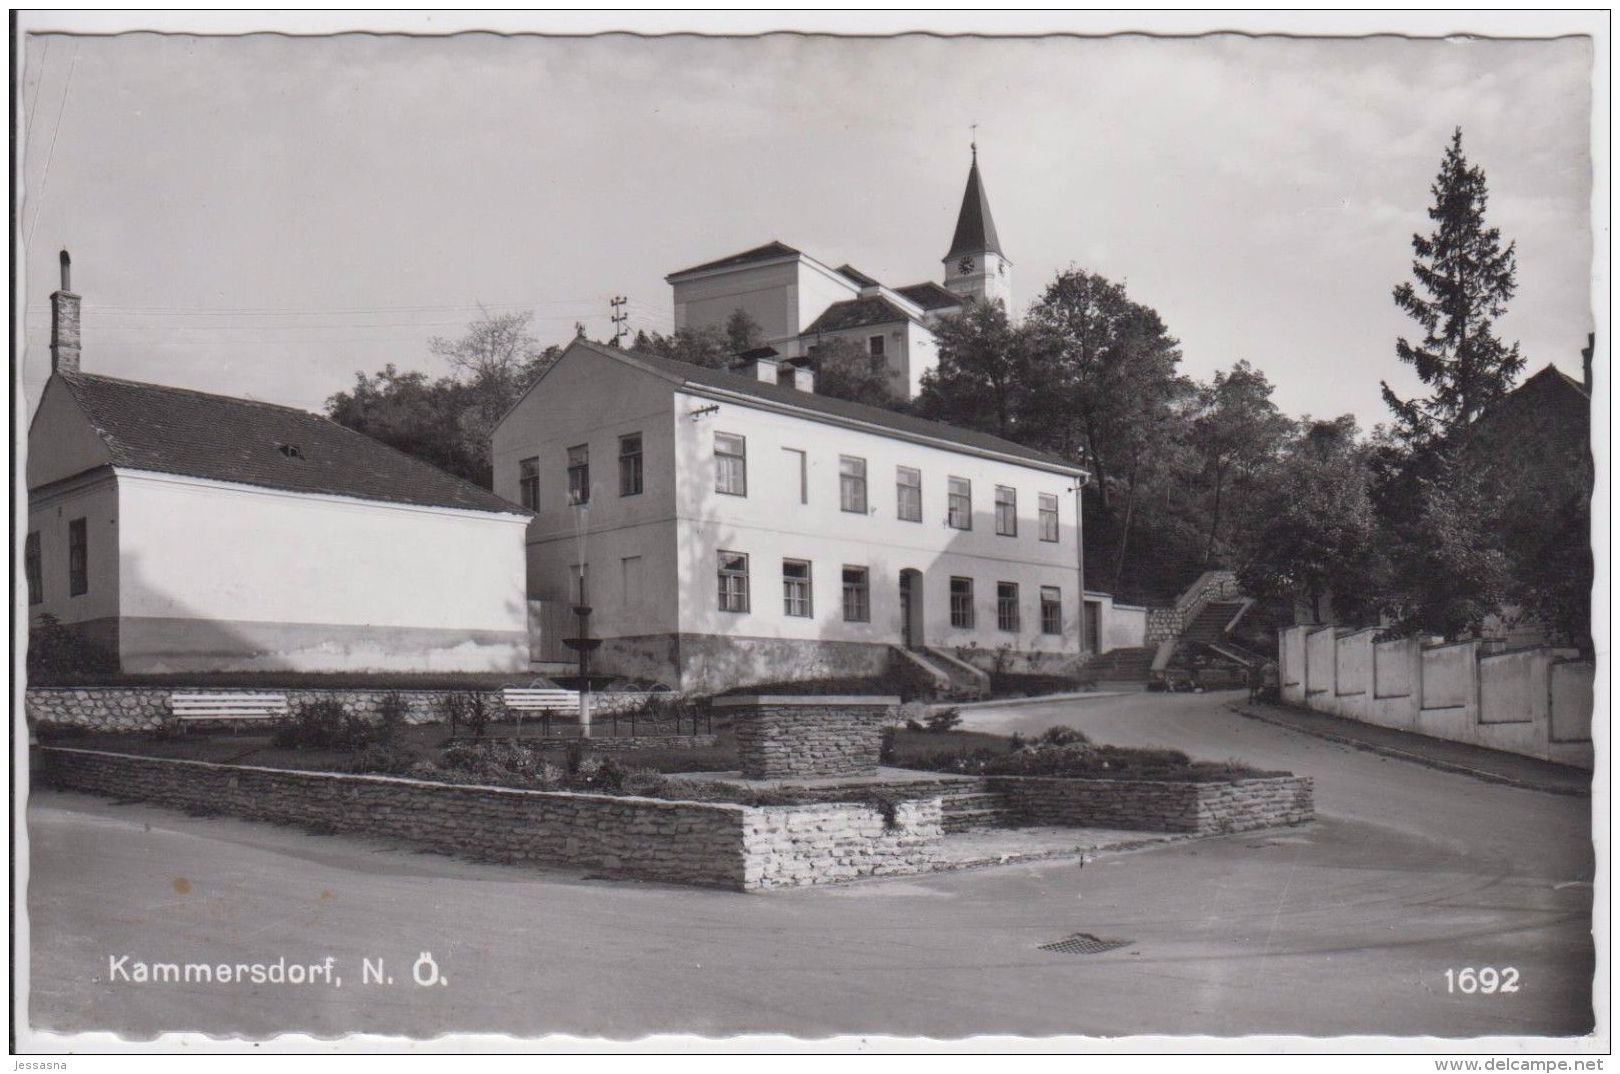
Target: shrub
x=886, y=752
x=1060, y=736
x=943, y=720
x=56, y=651
x=322, y=723
x=477, y=713
x=382, y=757
x=453, y=707
x=574, y=757
x=391, y=711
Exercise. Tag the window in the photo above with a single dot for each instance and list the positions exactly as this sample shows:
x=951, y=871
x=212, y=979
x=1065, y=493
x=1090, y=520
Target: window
x=796, y=587
x=733, y=582
x=799, y=466
x=1051, y=610
x=32, y=567
x=857, y=595
x=1007, y=606
x=959, y=507
x=630, y=465
x=78, y=558
x=874, y=346
x=852, y=484
x=730, y=464
x=529, y=483
x=962, y=603
x=908, y=493
x=579, y=474
x=1006, y=511
x=1049, y=519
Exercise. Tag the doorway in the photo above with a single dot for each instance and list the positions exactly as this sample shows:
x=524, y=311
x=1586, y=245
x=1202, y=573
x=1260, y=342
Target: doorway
x=911, y=608
x=1091, y=641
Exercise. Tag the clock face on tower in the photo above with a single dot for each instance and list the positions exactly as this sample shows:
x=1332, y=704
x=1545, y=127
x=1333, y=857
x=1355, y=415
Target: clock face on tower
x=965, y=265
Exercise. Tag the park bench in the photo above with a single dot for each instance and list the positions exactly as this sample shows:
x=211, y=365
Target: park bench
x=195, y=706
x=544, y=700
x=530, y=699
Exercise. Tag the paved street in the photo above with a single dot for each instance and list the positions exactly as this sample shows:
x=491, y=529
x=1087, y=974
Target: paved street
x=1344, y=926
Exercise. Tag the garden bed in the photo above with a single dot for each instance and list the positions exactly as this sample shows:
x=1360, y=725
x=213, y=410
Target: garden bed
x=1064, y=753
x=685, y=841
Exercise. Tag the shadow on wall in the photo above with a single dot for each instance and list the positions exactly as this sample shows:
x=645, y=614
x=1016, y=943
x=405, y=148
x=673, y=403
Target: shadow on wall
x=185, y=640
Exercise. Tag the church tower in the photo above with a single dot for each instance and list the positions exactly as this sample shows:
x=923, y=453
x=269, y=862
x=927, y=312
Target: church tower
x=976, y=267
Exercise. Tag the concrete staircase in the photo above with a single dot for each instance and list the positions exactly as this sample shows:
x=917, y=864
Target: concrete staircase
x=1121, y=665
x=1211, y=623
x=966, y=682
x=972, y=808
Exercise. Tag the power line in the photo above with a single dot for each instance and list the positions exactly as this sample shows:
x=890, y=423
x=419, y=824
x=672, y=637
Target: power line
x=44, y=63
x=50, y=154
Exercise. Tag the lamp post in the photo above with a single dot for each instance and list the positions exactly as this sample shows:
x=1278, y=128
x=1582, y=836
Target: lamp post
x=583, y=643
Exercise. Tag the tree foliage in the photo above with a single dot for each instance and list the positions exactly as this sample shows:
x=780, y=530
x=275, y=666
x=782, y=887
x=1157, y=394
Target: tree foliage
x=983, y=377
x=1462, y=280
x=1314, y=544
x=846, y=370
x=449, y=421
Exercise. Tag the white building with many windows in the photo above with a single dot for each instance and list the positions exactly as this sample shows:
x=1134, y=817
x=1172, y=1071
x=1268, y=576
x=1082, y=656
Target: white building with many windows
x=728, y=528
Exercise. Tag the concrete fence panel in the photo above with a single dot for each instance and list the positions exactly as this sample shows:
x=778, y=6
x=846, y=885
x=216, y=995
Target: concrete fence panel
x=1448, y=675
x=1535, y=702
x=1508, y=687
x=1320, y=644
x=1291, y=663
x=1570, y=690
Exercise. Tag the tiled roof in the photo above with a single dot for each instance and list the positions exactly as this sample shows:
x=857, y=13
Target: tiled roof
x=221, y=438
x=975, y=228
x=700, y=377
x=931, y=296
x=850, y=272
x=769, y=252
x=857, y=313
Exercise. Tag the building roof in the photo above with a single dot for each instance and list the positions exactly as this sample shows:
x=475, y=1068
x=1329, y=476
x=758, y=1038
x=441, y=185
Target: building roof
x=842, y=410
x=769, y=252
x=850, y=272
x=930, y=295
x=221, y=438
x=857, y=313
x=975, y=228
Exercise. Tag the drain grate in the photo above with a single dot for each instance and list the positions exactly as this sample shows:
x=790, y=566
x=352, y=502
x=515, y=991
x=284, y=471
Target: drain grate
x=1084, y=943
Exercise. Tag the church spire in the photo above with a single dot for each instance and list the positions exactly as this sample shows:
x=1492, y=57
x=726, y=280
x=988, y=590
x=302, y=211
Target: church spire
x=975, y=227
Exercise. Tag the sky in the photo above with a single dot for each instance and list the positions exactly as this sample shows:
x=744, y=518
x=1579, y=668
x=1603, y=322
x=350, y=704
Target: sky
x=266, y=216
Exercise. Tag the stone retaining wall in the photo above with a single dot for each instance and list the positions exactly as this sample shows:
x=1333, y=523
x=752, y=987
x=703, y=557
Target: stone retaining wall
x=743, y=848
x=808, y=737
x=1202, y=808
x=144, y=708
x=792, y=846
x=606, y=743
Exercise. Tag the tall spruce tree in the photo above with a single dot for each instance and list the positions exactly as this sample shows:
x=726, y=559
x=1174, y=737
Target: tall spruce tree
x=1464, y=278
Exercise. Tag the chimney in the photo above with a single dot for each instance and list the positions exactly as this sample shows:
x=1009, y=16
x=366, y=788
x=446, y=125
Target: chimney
x=804, y=377
x=1586, y=360
x=65, y=323
x=764, y=369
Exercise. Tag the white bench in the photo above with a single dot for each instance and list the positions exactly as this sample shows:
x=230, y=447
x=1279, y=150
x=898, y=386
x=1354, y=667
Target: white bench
x=526, y=699
x=227, y=706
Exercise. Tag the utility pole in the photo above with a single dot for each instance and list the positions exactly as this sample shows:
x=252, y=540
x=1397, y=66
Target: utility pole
x=621, y=319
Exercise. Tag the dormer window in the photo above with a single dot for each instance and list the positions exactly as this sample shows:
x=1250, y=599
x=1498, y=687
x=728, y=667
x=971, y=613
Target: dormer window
x=292, y=451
